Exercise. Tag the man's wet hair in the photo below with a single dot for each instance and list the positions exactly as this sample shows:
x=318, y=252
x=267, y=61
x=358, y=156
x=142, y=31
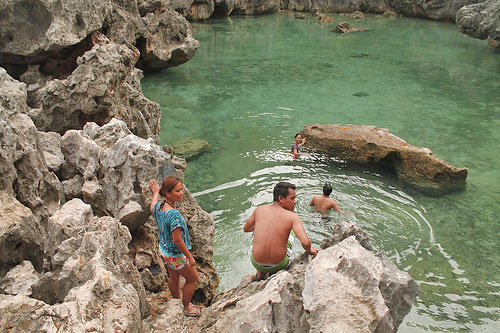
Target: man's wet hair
x=327, y=189
x=282, y=189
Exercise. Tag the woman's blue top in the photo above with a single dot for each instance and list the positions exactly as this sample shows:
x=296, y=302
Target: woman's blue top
x=168, y=221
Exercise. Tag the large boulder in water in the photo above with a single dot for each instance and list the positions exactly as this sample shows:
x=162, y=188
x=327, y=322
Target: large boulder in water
x=481, y=20
x=345, y=288
x=415, y=166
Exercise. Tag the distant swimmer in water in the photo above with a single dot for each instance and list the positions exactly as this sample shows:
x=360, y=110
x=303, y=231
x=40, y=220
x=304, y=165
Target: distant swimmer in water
x=323, y=203
x=299, y=141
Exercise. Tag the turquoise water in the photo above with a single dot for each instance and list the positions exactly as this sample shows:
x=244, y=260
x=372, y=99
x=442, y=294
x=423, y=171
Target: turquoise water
x=257, y=81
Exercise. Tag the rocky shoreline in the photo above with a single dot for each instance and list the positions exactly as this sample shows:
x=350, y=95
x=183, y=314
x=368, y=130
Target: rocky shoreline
x=79, y=140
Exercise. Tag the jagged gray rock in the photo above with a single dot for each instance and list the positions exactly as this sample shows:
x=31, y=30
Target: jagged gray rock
x=481, y=20
x=346, y=288
x=436, y=10
x=43, y=31
x=21, y=235
x=94, y=287
x=22, y=163
x=18, y=280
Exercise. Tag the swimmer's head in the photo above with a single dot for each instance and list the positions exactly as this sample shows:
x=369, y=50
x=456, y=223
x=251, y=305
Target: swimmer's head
x=282, y=189
x=327, y=189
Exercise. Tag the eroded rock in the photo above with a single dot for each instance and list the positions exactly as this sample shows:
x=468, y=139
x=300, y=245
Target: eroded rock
x=96, y=287
x=248, y=7
x=481, y=20
x=22, y=163
x=346, y=27
x=21, y=235
x=346, y=288
x=415, y=166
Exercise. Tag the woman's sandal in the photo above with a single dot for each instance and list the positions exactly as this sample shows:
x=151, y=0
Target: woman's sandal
x=193, y=312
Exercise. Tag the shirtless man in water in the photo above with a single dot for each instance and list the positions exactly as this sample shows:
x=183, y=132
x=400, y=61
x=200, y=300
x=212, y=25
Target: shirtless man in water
x=323, y=203
x=271, y=226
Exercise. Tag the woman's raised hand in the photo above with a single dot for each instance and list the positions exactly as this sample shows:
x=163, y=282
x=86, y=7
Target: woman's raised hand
x=153, y=186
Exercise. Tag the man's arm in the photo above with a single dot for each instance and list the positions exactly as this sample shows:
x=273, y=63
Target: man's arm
x=299, y=231
x=335, y=207
x=250, y=224
x=312, y=201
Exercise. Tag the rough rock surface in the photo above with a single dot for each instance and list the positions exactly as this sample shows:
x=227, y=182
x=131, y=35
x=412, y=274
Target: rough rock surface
x=346, y=27
x=481, y=20
x=254, y=7
x=201, y=10
x=436, y=10
x=340, y=6
x=370, y=145
x=23, y=166
x=21, y=235
x=346, y=288
x=93, y=285
x=47, y=32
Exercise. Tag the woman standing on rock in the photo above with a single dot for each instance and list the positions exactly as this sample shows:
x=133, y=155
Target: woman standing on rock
x=175, y=242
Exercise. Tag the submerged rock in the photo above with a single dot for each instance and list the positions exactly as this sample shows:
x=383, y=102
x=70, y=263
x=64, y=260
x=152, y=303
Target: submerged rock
x=415, y=166
x=190, y=147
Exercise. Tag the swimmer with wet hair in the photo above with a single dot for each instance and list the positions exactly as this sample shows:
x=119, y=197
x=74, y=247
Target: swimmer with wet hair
x=297, y=145
x=323, y=203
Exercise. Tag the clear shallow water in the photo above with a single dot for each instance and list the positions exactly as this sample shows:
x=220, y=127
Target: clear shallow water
x=257, y=81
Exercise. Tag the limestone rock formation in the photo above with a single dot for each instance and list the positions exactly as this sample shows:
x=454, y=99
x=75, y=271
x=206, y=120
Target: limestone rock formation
x=23, y=166
x=481, y=20
x=223, y=7
x=90, y=285
x=46, y=32
x=346, y=288
x=373, y=6
x=21, y=235
x=201, y=10
x=254, y=7
x=415, y=166
x=80, y=61
x=445, y=10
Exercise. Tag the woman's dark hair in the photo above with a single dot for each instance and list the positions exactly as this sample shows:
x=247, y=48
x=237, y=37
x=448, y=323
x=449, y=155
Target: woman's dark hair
x=296, y=135
x=282, y=189
x=168, y=184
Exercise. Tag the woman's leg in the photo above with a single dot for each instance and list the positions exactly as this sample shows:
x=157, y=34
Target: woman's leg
x=173, y=282
x=191, y=276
